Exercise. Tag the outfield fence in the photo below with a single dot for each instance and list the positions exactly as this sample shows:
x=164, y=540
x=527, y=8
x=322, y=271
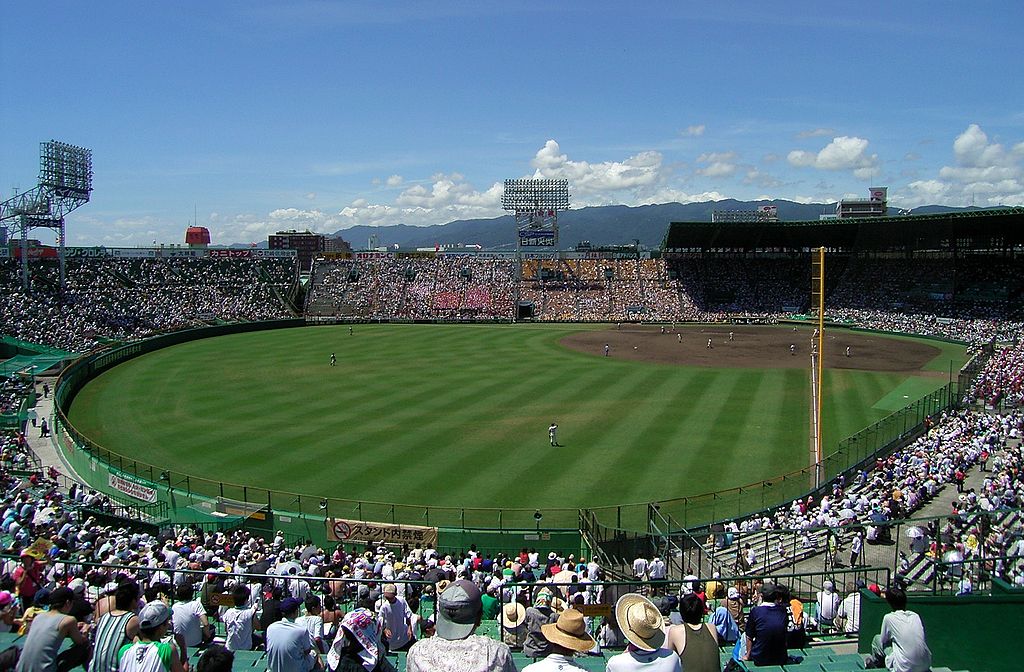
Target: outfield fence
x=211, y=500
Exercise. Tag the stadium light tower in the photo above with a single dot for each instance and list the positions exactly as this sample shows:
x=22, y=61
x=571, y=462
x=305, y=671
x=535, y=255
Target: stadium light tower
x=535, y=204
x=65, y=184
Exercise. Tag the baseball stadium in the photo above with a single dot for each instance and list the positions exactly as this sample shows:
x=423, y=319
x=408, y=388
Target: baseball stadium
x=750, y=400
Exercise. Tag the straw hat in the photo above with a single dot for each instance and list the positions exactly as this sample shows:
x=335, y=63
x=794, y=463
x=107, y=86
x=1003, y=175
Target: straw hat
x=569, y=631
x=513, y=615
x=640, y=621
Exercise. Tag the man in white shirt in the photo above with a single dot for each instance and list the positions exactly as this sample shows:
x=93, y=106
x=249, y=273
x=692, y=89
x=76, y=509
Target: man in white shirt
x=900, y=646
x=849, y=610
x=238, y=621
x=189, y=619
x=640, y=568
x=313, y=621
x=395, y=618
x=828, y=604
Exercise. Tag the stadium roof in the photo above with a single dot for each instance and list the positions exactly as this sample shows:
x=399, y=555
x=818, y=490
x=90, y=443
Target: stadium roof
x=1000, y=229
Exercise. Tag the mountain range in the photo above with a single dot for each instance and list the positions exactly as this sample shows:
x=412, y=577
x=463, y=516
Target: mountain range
x=601, y=225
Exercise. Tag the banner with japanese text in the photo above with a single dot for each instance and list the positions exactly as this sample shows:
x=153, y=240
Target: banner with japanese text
x=339, y=529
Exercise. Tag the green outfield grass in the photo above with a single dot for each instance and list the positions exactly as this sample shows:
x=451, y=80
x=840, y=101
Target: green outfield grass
x=457, y=416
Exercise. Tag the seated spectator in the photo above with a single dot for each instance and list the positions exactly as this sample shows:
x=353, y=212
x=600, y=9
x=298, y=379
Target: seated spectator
x=455, y=648
x=695, y=642
x=566, y=637
x=357, y=646
x=642, y=625
x=151, y=651
x=766, y=628
x=901, y=645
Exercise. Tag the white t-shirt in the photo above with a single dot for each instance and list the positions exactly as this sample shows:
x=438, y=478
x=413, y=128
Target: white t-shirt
x=186, y=617
x=238, y=626
x=660, y=660
x=849, y=609
x=314, y=626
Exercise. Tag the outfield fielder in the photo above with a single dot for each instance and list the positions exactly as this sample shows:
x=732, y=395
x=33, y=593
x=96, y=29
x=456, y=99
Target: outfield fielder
x=553, y=434
x=334, y=359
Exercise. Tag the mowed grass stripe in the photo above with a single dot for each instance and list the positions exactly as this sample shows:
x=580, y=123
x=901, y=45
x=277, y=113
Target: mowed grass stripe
x=454, y=414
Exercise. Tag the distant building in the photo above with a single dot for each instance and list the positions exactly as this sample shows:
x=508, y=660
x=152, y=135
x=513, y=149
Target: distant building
x=197, y=236
x=764, y=213
x=873, y=206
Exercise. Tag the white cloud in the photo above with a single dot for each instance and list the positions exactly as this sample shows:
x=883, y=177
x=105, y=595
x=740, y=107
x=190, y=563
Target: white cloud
x=394, y=180
x=843, y=153
x=311, y=196
x=693, y=131
x=816, y=133
x=597, y=179
x=719, y=164
x=985, y=173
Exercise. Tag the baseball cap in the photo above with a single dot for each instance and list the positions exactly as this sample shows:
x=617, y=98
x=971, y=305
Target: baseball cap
x=458, y=609
x=734, y=593
x=290, y=604
x=155, y=613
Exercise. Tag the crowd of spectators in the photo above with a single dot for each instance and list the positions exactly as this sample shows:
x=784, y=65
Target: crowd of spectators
x=123, y=299
x=894, y=488
x=1001, y=382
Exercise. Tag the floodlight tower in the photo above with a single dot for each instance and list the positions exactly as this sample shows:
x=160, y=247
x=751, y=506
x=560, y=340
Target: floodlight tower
x=535, y=203
x=65, y=184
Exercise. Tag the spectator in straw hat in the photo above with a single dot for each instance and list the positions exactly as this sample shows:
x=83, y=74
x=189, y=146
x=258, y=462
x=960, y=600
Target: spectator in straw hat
x=642, y=625
x=566, y=637
x=513, y=624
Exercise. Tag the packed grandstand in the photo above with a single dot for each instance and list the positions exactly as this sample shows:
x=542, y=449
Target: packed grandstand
x=962, y=470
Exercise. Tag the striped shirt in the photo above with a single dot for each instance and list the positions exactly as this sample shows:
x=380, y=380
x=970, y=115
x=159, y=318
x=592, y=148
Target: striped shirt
x=108, y=640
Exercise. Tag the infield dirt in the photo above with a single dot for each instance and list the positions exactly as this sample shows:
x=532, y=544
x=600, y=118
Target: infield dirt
x=753, y=347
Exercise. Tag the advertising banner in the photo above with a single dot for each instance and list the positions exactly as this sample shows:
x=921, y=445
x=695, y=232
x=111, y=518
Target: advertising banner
x=339, y=529
x=132, y=486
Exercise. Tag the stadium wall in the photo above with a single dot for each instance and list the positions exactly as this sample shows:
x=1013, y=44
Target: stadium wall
x=990, y=623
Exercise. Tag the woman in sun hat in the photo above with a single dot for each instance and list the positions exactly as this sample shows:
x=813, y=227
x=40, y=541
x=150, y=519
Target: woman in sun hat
x=566, y=637
x=512, y=618
x=642, y=625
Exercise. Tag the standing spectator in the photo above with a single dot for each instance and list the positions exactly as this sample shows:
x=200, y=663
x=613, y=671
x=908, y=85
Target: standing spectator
x=657, y=571
x=641, y=624
x=28, y=578
x=151, y=653
x=289, y=645
x=49, y=629
x=900, y=646
x=766, y=628
x=455, y=648
x=856, y=546
x=566, y=637
x=395, y=619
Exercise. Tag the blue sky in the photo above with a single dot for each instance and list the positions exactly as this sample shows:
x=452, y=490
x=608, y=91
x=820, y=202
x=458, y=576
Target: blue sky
x=324, y=115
